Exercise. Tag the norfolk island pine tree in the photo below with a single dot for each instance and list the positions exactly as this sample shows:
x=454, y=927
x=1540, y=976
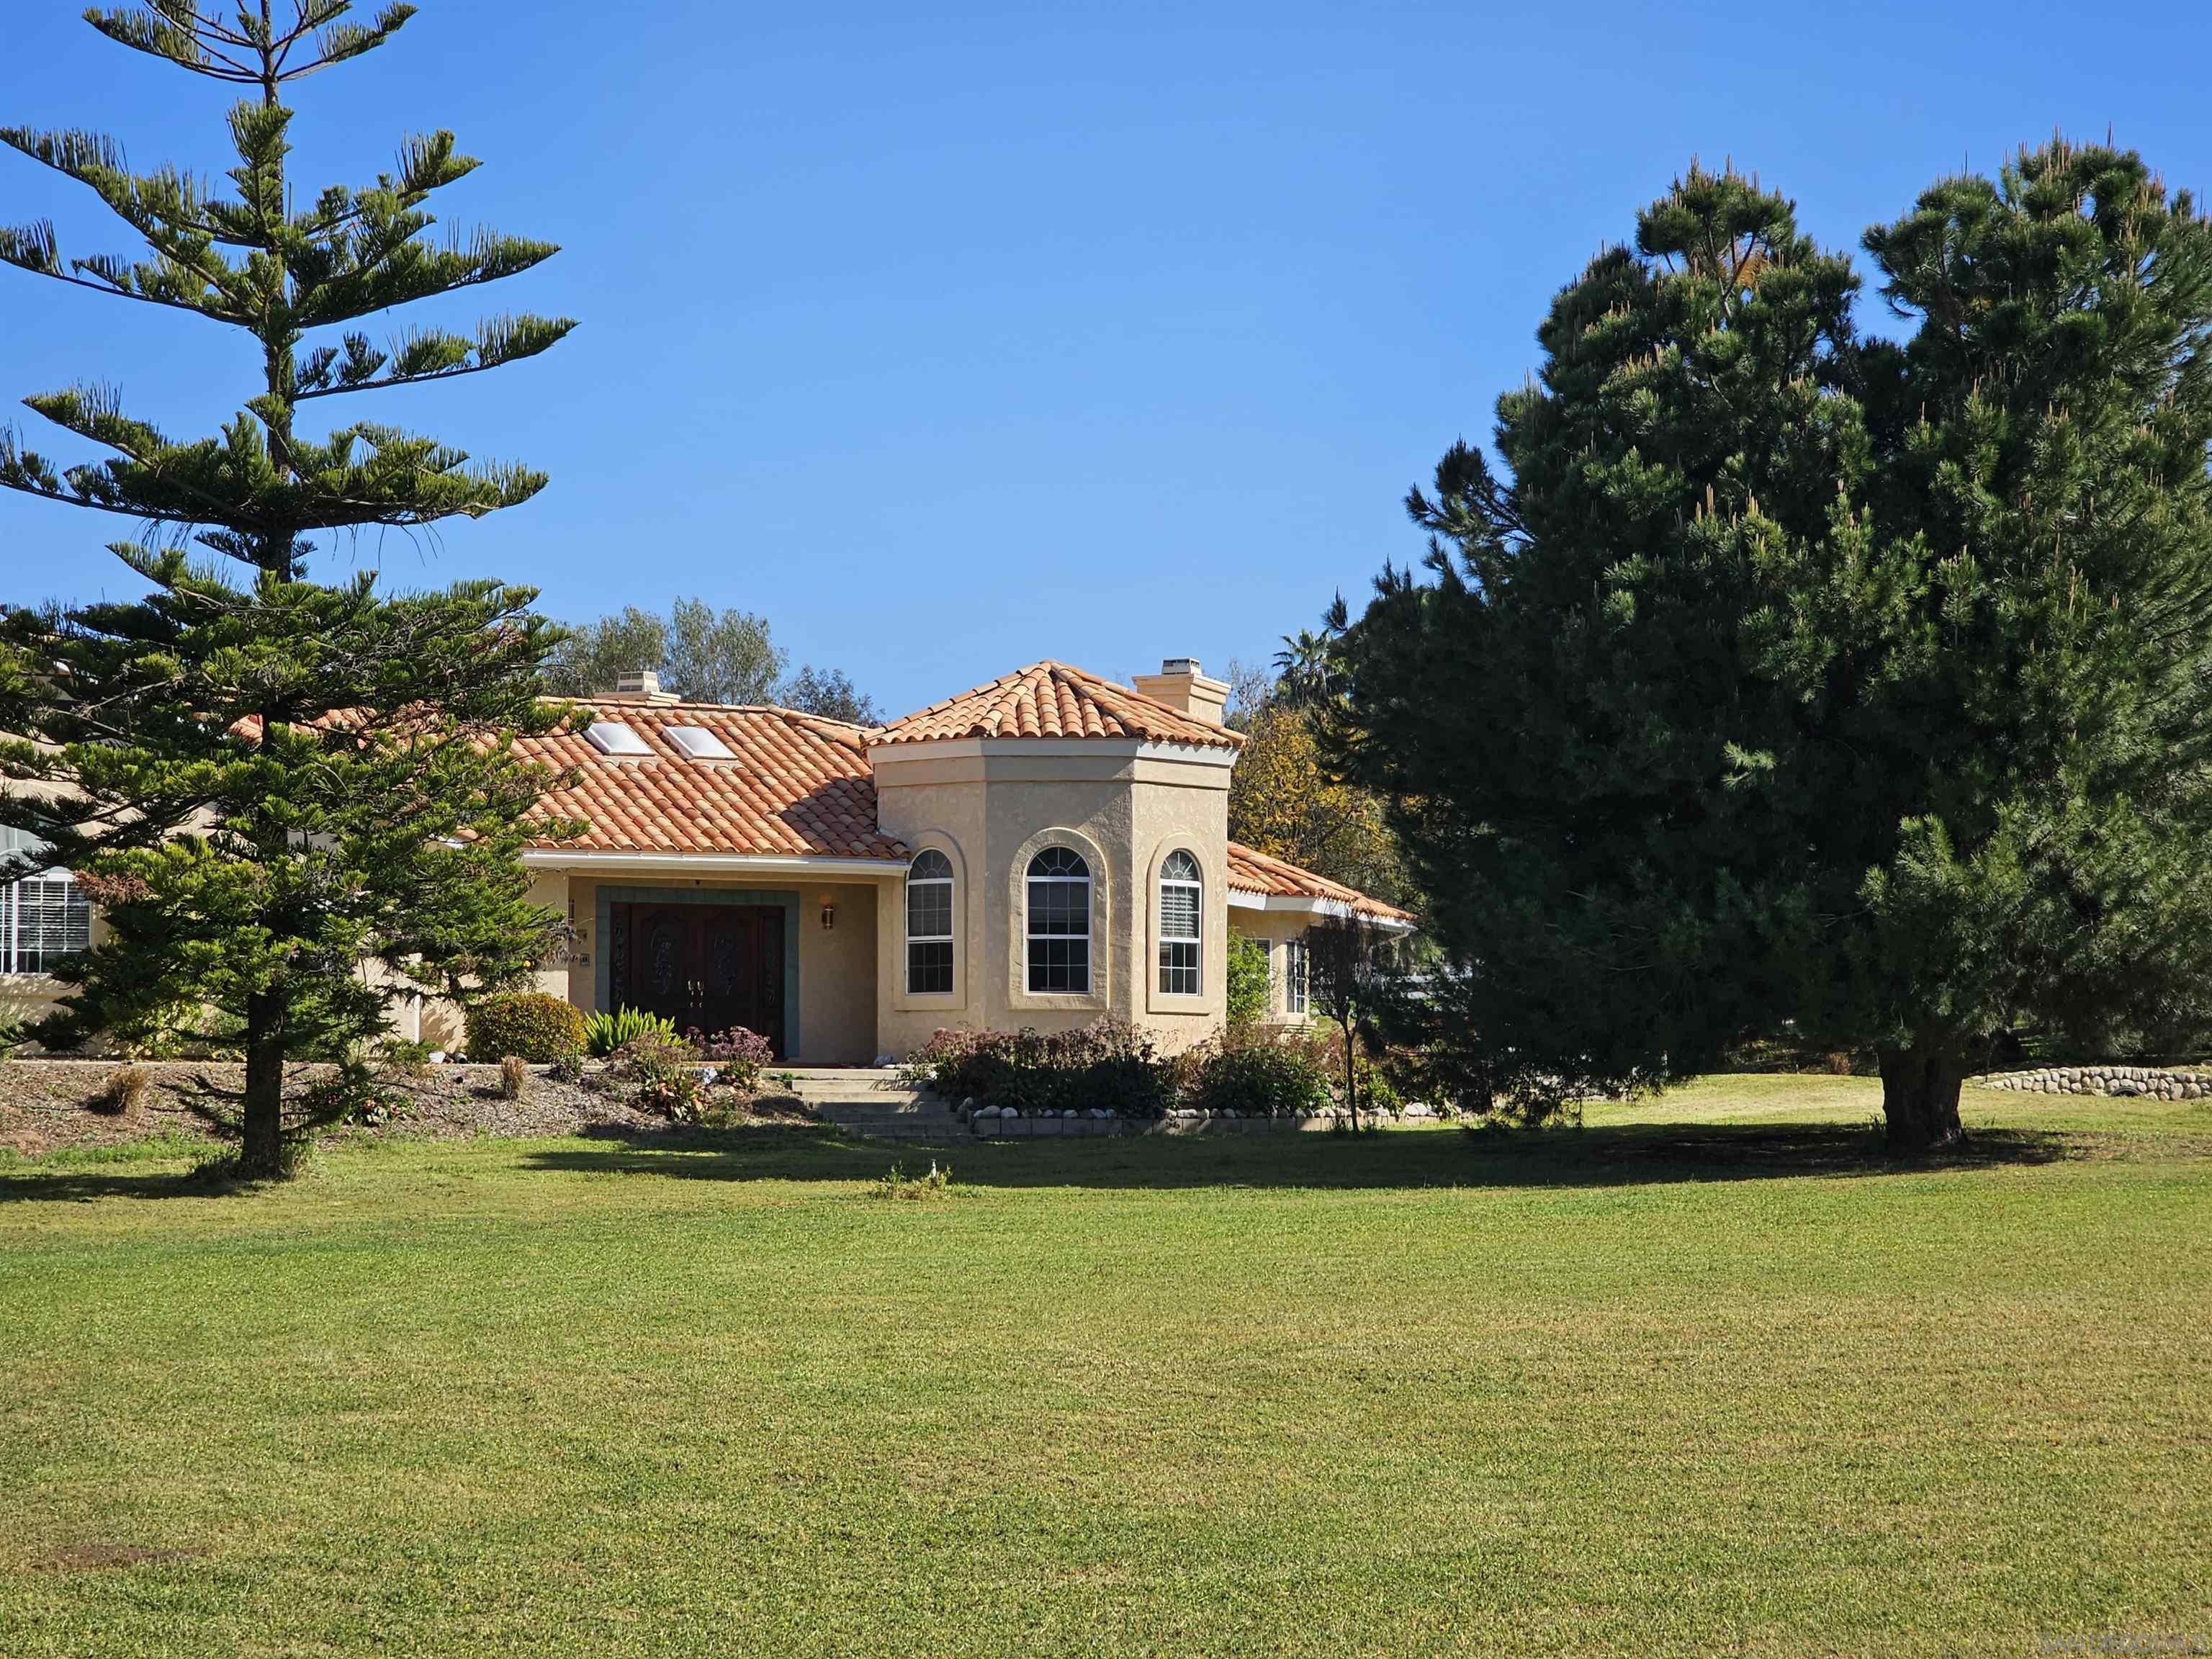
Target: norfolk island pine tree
x=267, y=781
x=1787, y=675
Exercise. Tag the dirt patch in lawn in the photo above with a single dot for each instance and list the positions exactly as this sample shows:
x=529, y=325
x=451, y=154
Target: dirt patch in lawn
x=49, y=1104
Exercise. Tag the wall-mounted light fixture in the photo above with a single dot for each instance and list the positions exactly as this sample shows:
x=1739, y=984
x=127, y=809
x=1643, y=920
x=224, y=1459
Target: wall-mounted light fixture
x=829, y=915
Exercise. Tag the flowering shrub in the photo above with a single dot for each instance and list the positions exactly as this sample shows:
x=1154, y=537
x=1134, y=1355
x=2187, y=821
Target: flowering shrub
x=351, y=1094
x=662, y=1075
x=739, y=1053
x=1102, y=1066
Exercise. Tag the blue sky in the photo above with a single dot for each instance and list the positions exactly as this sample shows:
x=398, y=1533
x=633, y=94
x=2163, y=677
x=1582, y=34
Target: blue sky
x=954, y=337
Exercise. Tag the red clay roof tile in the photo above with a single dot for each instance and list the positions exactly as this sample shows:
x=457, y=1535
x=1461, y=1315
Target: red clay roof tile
x=1251, y=871
x=798, y=785
x=1052, y=700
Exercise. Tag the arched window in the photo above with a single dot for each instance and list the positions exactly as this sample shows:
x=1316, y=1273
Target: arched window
x=1182, y=893
x=929, y=924
x=1059, y=922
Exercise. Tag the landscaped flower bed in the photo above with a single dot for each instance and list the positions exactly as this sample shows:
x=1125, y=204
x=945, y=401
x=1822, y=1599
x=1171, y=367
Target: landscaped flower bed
x=1106, y=1077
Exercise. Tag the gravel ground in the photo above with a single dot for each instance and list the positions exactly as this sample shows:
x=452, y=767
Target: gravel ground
x=47, y=1104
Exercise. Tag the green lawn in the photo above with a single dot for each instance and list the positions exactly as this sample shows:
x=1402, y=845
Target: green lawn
x=1705, y=1376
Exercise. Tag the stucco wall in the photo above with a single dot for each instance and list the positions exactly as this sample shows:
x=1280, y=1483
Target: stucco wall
x=837, y=976
x=991, y=807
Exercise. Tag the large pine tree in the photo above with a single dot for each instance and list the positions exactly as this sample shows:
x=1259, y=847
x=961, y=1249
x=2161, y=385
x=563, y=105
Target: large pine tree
x=268, y=781
x=1787, y=676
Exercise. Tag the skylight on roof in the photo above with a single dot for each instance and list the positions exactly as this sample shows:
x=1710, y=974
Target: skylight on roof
x=698, y=743
x=613, y=738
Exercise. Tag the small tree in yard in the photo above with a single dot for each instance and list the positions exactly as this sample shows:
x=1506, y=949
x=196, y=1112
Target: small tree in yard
x=1348, y=960
x=1786, y=675
x=266, y=780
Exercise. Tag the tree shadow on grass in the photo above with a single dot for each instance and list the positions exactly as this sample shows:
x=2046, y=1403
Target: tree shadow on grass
x=84, y=1183
x=1628, y=1156
x=1632, y=1156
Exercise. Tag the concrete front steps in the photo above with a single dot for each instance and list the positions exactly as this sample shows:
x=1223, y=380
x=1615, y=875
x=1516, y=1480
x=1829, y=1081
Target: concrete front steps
x=866, y=1100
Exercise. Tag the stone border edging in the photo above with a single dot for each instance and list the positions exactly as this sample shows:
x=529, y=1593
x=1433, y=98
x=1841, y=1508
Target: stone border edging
x=2151, y=1082
x=992, y=1123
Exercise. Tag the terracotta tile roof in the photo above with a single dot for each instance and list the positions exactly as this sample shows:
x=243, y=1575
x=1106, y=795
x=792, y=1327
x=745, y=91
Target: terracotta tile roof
x=1251, y=871
x=798, y=785
x=1052, y=700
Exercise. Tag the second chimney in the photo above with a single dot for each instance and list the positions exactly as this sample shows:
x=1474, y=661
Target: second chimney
x=1182, y=686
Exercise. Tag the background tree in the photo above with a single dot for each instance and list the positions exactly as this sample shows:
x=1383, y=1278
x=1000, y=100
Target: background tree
x=1305, y=668
x=831, y=694
x=702, y=656
x=1286, y=799
x=266, y=780
x=1788, y=677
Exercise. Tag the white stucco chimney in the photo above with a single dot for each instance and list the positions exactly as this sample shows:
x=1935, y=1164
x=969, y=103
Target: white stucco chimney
x=1183, y=685
x=639, y=685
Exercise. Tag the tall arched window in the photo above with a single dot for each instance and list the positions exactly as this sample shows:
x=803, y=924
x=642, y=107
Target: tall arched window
x=929, y=924
x=1059, y=922
x=1182, y=893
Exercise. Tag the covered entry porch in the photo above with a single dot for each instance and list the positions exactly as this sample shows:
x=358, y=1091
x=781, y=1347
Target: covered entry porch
x=785, y=947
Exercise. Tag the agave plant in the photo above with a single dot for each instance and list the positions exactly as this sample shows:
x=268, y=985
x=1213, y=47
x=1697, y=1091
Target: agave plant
x=604, y=1033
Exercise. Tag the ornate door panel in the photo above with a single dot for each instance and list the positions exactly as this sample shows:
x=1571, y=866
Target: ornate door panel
x=660, y=978
x=741, y=959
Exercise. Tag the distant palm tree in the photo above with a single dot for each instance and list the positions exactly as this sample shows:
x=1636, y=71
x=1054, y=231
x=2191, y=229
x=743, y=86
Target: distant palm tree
x=1306, y=665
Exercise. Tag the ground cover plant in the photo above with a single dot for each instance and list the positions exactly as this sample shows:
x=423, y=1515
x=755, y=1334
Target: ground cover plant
x=1709, y=1374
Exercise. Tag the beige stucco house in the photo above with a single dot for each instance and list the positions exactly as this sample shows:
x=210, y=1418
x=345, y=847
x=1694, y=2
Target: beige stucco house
x=1041, y=850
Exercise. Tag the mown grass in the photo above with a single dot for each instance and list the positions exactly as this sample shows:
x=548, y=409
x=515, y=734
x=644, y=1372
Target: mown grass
x=1708, y=1374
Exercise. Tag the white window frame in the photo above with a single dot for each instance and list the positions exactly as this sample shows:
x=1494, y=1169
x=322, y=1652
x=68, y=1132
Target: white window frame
x=944, y=939
x=616, y=740
x=76, y=912
x=1030, y=938
x=1181, y=954
x=697, y=743
x=1296, y=987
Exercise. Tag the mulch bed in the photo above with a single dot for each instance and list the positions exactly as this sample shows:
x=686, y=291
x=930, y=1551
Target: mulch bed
x=48, y=1104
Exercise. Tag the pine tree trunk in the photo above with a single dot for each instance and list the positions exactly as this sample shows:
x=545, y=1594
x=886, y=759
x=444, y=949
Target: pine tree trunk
x=1920, y=1096
x=263, y=1154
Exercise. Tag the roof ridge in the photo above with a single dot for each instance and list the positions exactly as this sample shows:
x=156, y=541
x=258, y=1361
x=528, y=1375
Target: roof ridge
x=1052, y=698
x=611, y=709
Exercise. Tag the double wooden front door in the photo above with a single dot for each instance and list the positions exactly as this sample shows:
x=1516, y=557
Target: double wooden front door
x=708, y=966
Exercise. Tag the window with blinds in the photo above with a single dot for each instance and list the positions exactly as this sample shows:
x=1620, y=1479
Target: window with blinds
x=1182, y=896
x=43, y=918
